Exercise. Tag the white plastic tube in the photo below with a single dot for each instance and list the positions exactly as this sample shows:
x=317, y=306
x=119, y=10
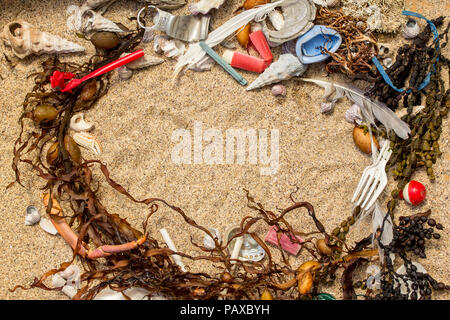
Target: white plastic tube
x=172, y=247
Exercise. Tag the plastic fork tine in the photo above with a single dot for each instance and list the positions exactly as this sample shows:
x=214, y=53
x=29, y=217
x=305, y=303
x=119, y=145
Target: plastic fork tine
x=371, y=192
x=364, y=192
x=361, y=183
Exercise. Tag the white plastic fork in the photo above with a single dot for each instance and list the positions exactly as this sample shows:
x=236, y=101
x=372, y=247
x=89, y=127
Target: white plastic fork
x=373, y=180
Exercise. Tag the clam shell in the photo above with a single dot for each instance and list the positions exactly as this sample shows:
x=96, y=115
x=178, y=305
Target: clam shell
x=32, y=217
x=89, y=141
x=25, y=39
x=78, y=123
x=285, y=68
x=48, y=226
x=204, y=6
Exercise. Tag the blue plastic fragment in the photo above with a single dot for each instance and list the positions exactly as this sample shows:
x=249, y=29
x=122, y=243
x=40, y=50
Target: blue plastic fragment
x=428, y=77
x=309, y=47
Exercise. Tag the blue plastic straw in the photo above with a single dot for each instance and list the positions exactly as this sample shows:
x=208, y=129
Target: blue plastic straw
x=428, y=77
x=223, y=63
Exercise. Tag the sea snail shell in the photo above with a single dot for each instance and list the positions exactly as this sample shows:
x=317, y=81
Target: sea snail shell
x=78, y=123
x=411, y=29
x=88, y=141
x=32, y=216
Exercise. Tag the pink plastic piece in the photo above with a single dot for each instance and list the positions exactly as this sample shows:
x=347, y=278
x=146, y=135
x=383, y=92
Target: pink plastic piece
x=259, y=41
x=286, y=243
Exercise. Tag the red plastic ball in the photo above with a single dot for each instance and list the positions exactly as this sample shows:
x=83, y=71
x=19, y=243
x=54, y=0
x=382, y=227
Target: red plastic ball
x=414, y=193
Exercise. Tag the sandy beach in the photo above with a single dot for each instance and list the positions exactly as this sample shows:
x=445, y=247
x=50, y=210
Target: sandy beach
x=135, y=122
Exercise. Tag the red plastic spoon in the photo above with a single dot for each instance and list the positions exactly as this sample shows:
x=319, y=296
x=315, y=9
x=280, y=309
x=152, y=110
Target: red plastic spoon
x=109, y=67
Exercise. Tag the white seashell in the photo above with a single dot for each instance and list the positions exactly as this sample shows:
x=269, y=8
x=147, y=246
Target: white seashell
x=250, y=249
x=411, y=29
x=124, y=73
x=285, y=68
x=279, y=90
x=32, y=217
x=69, y=291
x=298, y=16
x=143, y=62
x=91, y=21
x=353, y=115
x=78, y=123
x=48, y=226
x=204, y=6
x=58, y=281
x=89, y=141
x=71, y=273
x=326, y=107
x=170, y=48
x=277, y=19
x=208, y=242
x=388, y=62
x=25, y=39
x=327, y=3
x=374, y=21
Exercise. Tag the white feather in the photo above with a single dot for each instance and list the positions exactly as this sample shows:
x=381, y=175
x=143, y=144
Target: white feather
x=370, y=110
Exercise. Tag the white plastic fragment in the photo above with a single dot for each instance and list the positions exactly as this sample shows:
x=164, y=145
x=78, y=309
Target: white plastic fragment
x=171, y=245
x=48, y=226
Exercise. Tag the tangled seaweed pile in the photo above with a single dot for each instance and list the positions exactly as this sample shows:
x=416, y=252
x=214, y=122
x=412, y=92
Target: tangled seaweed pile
x=116, y=255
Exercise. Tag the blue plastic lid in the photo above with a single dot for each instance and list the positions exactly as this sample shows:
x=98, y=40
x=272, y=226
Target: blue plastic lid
x=309, y=46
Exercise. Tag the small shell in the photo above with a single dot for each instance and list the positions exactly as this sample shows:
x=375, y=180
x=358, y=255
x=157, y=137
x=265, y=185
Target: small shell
x=384, y=49
x=388, y=62
x=170, y=48
x=208, y=242
x=48, y=226
x=58, y=281
x=32, y=217
x=88, y=141
x=77, y=123
x=204, y=6
x=69, y=291
x=285, y=68
x=353, y=115
x=92, y=21
x=326, y=107
x=143, y=62
x=124, y=73
x=279, y=90
x=411, y=29
x=277, y=19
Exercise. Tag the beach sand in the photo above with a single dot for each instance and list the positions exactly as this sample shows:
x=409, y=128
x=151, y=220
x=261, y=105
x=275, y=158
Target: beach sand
x=134, y=123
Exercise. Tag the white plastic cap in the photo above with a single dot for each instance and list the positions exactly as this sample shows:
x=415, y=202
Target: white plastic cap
x=228, y=56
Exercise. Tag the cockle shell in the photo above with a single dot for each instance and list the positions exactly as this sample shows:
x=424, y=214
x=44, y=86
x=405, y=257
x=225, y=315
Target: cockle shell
x=32, y=217
x=170, y=48
x=285, y=68
x=77, y=123
x=279, y=90
x=25, y=39
x=298, y=18
x=89, y=141
x=411, y=29
x=204, y=6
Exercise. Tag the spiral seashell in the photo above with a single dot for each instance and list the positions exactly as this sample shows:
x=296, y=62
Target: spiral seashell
x=91, y=21
x=32, y=217
x=279, y=90
x=124, y=73
x=285, y=68
x=25, y=39
x=89, y=141
x=77, y=123
x=411, y=29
